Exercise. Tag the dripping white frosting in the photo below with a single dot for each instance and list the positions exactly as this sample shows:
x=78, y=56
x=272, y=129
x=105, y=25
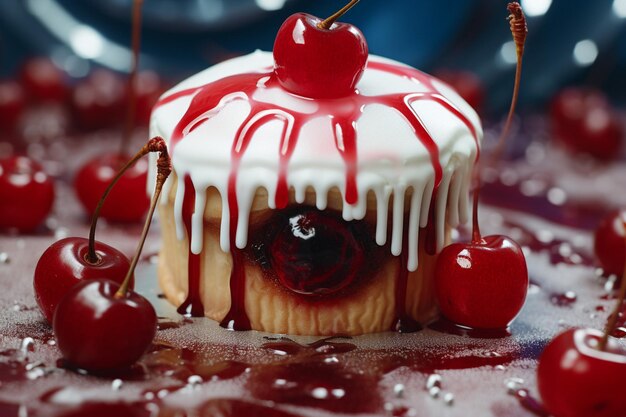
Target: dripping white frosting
x=391, y=159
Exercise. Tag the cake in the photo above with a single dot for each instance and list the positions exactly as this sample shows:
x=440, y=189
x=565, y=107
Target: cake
x=385, y=171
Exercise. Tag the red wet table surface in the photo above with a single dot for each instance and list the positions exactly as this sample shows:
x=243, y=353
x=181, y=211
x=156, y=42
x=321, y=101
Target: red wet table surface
x=546, y=200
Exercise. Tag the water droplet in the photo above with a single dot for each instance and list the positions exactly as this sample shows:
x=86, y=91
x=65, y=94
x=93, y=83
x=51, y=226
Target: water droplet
x=338, y=393
x=398, y=390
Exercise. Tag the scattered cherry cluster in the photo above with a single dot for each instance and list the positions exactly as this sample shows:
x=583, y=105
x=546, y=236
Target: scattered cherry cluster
x=99, y=101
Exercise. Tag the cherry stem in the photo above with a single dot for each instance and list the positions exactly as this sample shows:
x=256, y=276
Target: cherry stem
x=328, y=23
x=610, y=327
x=164, y=168
x=132, y=76
x=519, y=30
x=156, y=144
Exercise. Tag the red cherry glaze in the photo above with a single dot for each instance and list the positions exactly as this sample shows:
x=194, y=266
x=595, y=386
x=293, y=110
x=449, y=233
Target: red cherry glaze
x=64, y=264
x=467, y=84
x=128, y=201
x=11, y=104
x=316, y=253
x=584, y=121
x=26, y=194
x=609, y=245
x=100, y=100
x=482, y=284
x=43, y=80
x=319, y=63
x=100, y=332
x=575, y=379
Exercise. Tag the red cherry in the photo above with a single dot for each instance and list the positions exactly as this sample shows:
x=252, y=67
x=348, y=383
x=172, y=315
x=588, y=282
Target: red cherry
x=584, y=121
x=609, y=244
x=26, y=194
x=97, y=330
x=576, y=379
x=467, y=84
x=11, y=104
x=482, y=284
x=319, y=62
x=65, y=264
x=127, y=202
x=43, y=80
x=100, y=100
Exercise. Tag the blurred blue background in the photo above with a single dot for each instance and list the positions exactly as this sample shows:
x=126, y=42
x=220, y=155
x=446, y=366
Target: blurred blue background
x=571, y=41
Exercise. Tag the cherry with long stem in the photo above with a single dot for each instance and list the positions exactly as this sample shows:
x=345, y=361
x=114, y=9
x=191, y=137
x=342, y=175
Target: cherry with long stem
x=613, y=318
x=99, y=306
x=483, y=284
x=519, y=30
x=328, y=22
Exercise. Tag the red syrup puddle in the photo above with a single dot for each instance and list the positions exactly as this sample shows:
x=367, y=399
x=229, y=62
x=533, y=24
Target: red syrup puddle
x=446, y=326
x=210, y=98
x=167, y=324
x=192, y=306
x=284, y=346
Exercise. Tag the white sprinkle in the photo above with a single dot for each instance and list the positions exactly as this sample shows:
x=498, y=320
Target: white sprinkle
x=194, y=380
x=116, y=385
x=4, y=258
x=434, y=392
x=35, y=373
x=332, y=359
x=338, y=393
x=513, y=384
x=320, y=393
x=28, y=345
x=31, y=366
x=500, y=367
x=398, y=390
x=434, y=380
x=448, y=398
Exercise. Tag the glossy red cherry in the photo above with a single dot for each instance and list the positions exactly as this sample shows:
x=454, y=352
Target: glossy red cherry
x=316, y=61
x=482, y=284
x=12, y=102
x=609, y=245
x=584, y=121
x=43, y=80
x=65, y=263
x=316, y=253
x=467, y=84
x=576, y=379
x=98, y=331
x=26, y=194
x=100, y=100
x=128, y=201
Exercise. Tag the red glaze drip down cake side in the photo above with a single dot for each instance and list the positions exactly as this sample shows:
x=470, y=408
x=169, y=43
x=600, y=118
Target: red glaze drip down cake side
x=259, y=169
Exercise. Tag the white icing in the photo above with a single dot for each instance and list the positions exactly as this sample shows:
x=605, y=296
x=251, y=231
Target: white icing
x=390, y=158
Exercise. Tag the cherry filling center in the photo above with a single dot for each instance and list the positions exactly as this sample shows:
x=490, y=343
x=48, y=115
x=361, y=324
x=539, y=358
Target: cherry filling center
x=313, y=252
